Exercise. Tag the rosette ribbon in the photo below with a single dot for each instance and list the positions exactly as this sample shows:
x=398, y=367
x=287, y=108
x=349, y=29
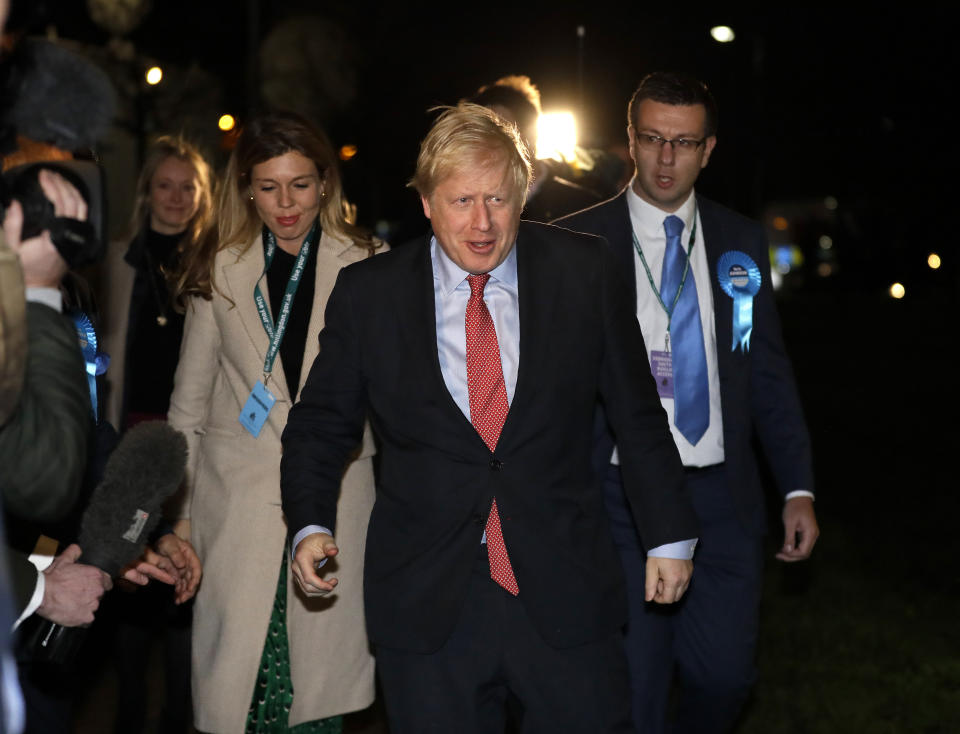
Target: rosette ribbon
x=739, y=278
x=96, y=362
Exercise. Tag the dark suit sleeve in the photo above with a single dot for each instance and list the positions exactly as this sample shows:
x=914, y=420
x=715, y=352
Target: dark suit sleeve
x=774, y=401
x=651, y=467
x=44, y=444
x=326, y=425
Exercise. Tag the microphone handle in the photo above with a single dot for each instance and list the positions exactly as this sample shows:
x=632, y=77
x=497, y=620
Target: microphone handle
x=49, y=642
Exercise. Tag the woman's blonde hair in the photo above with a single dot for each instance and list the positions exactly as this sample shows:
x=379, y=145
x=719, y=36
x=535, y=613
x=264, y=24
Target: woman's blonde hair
x=196, y=237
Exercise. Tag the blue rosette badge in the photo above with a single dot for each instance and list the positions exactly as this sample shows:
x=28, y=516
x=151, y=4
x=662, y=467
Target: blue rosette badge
x=739, y=278
x=96, y=361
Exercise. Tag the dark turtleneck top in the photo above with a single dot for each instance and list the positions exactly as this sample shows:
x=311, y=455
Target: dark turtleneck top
x=295, y=339
x=152, y=348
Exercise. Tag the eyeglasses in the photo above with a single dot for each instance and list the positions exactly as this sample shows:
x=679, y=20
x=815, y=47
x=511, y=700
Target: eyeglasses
x=681, y=146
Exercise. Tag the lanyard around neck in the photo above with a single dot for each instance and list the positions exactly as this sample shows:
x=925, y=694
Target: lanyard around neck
x=275, y=332
x=683, y=278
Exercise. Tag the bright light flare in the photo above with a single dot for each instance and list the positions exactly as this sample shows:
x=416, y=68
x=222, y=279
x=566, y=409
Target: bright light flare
x=226, y=122
x=933, y=260
x=897, y=291
x=557, y=136
x=154, y=75
x=722, y=33
x=347, y=152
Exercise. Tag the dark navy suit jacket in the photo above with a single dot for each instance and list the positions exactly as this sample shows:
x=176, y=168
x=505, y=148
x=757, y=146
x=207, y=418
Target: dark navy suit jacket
x=758, y=393
x=579, y=338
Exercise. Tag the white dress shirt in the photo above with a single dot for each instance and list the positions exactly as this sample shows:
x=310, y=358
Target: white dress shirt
x=647, y=223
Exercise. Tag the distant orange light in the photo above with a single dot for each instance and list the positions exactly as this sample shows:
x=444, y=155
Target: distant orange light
x=898, y=291
x=226, y=122
x=780, y=223
x=154, y=75
x=347, y=152
x=933, y=261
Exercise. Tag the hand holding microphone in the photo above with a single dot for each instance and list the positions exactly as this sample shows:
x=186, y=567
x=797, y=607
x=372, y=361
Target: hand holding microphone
x=143, y=471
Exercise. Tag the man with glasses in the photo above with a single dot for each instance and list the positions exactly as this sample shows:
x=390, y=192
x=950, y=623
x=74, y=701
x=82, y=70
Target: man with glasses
x=700, y=276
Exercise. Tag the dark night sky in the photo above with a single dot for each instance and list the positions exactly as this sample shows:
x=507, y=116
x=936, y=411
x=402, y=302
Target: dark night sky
x=842, y=103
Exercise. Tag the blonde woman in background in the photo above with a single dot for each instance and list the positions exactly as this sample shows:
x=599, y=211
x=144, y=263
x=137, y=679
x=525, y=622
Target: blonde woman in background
x=142, y=329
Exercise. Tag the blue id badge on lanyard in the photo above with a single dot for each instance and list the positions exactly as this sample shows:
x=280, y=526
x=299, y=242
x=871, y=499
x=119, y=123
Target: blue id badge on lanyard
x=256, y=409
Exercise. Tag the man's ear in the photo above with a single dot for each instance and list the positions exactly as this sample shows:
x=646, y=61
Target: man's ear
x=708, y=146
x=426, y=205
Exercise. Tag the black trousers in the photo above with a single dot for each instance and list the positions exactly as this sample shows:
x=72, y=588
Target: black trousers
x=496, y=660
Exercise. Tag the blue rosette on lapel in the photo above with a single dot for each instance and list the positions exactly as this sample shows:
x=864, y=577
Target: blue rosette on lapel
x=739, y=278
x=96, y=361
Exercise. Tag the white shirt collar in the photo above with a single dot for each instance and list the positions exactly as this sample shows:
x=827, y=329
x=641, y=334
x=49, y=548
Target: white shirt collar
x=450, y=275
x=648, y=219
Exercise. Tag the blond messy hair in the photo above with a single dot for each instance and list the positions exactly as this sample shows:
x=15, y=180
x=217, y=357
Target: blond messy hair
x=466, y=135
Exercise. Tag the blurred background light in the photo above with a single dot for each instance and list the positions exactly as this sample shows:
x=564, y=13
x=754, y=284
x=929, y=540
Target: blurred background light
x=826, y=242
x=347, y=152
x=226, y=122
x=722, y=33
x=557, y=136
x=154, y=75
x=897, y=291
x=830, y=202
x=780, y=223
x=933, y=260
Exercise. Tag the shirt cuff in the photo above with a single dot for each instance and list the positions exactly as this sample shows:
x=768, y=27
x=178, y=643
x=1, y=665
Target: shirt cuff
x=35, y=601
x=47, y=296
x=309, y=530
x=682, y=550
x=799, y=493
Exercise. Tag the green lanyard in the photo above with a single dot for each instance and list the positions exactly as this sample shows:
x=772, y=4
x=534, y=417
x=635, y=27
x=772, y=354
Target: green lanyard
x=683, y=278
x=275, y=334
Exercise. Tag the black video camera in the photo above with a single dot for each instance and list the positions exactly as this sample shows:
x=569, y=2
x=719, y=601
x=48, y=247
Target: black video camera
x=79, y=243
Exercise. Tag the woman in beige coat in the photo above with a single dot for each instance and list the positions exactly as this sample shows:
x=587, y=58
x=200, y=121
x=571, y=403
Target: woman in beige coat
x=281, y=230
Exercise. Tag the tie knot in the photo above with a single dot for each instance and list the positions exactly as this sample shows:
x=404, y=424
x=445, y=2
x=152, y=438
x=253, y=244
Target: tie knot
x=478, y=283
x=673, y=226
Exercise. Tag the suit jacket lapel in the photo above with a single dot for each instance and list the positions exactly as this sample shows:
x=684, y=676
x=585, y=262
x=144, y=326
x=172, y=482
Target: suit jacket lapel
x=620, y=238
x=239, y=277
x=537, y=302
x=715, y=244
x=417, y=311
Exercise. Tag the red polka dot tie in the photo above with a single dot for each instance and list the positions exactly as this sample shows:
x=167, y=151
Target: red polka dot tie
x=488, y=411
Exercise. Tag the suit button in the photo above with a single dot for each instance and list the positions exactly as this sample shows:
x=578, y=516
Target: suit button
x=496, y=464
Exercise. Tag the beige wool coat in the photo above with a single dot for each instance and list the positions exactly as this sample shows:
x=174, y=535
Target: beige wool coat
x=237, y=526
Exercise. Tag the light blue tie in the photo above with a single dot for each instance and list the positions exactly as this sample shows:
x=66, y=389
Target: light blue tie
x=691, y=403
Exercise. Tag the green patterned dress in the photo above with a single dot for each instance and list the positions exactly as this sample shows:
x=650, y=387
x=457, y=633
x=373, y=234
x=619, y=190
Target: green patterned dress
x=273, y=692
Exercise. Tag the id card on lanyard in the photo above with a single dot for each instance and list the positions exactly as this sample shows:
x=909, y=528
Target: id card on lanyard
x=257, y=409
x=661, y=363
